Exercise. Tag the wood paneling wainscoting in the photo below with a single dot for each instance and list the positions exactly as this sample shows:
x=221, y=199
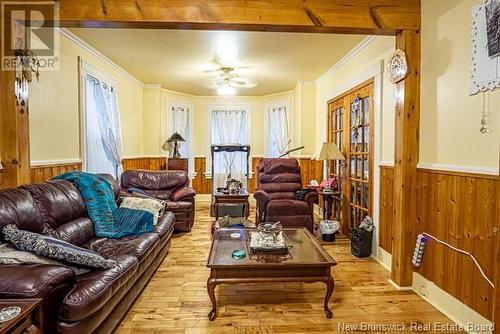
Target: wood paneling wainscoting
x=386, y=214
x=310, y=169
x=461, y=209
x=42, y=173
x=147, y=163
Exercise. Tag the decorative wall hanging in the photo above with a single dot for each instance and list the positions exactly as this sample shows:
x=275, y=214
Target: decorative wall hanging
x=27, y=64
x=485, y=69
x=398, y=66
x=485, y=63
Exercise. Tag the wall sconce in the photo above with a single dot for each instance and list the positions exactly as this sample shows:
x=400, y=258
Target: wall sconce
x=27, y=64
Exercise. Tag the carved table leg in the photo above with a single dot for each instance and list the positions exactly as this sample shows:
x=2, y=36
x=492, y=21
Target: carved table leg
x=330, y=285
x=211, y=293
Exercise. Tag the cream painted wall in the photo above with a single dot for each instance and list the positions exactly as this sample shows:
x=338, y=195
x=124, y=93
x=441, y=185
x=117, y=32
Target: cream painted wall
x=155, y=118
x=351, y=73
x=450, y=118
x=54, y=107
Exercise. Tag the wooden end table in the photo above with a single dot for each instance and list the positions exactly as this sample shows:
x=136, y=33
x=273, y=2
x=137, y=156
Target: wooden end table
x=238, y=198
x=306, y=262
x=332, y=202
x=27, y=322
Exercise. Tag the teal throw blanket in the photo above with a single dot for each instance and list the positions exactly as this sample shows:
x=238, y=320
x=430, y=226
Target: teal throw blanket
x=109, y=220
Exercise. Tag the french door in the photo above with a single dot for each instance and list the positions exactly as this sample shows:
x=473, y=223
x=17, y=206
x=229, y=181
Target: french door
x=350, y=126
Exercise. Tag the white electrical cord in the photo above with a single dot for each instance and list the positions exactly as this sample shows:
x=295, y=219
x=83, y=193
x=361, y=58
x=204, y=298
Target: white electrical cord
x=463, y=252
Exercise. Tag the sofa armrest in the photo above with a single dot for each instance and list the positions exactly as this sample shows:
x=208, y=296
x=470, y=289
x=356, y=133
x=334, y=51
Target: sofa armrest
x=261, y=196
x=51, y=283
x=181, y=193
x=311, y=198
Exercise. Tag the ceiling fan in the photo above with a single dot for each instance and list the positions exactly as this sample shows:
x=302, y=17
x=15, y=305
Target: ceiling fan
x=227, y=81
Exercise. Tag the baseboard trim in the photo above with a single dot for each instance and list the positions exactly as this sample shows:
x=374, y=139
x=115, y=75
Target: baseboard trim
x=384, y=258
x=468, y=319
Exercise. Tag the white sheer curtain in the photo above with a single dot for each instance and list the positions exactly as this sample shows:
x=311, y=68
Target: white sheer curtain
x=102, y=128
x=278, y=135
x=229, y=127
x=178, y=121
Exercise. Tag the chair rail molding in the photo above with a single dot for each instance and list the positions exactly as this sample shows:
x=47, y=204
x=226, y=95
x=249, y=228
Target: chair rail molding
x=459, y=168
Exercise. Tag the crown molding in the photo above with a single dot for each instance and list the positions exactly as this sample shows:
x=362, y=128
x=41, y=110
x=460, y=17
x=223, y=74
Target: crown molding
x=152, y=86
x=84, y=45
x=348, y=56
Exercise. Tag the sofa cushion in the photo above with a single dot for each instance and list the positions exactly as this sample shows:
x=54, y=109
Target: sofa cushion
x=58, y=201
x=154, y=180
x=94, y=289
x=18, y=207
x=54, y=248
x=165, y=224
x=32, y=280
x=77, y=231
x=136, y=246
x=287, y=207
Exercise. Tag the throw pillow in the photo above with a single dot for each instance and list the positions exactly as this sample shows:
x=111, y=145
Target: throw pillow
x=155, y=206
x=55, y=249
x=10, y=255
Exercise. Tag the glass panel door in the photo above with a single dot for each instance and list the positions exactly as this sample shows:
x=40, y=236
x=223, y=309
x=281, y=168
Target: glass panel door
x=350, y=121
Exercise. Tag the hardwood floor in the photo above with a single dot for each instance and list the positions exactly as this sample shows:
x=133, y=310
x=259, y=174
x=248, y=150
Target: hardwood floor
x=176, y=300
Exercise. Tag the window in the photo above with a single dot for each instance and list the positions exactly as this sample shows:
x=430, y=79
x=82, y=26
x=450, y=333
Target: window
x=102, y=140
x=229, y=126
x=179, y=120
x=278, y=136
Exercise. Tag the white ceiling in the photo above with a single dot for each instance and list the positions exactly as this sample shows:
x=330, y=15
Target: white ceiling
x=179, y=59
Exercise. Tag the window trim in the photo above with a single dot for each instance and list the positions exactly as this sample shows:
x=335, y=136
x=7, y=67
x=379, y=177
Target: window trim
x=84, y=69
x=247, y=107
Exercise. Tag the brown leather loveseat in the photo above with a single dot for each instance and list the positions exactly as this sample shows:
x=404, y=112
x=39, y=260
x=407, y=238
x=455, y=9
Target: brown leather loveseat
x=169, y=185
x=94, y=302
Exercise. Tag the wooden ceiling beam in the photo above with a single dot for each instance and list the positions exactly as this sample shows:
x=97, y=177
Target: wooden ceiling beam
x=327, y=16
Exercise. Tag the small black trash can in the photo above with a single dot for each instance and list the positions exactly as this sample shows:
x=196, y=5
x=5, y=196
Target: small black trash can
x=361, y=242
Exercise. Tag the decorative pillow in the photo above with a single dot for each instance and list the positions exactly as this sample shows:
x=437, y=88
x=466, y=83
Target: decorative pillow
x=10, y=255
x=155, y=206
x=55, y=249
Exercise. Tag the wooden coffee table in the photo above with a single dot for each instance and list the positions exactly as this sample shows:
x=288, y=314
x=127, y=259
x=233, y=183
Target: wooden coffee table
x=306, y=262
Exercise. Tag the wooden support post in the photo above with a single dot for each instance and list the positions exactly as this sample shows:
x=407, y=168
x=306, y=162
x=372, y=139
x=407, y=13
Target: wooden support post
x=406, y=159
x=496, y=280
x=14, y=134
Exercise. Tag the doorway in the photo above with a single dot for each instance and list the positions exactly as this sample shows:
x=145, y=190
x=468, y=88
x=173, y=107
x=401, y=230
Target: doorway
x=350, y=127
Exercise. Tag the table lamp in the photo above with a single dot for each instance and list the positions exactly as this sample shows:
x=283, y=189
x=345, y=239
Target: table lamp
x=175, y=138
x=329, y=151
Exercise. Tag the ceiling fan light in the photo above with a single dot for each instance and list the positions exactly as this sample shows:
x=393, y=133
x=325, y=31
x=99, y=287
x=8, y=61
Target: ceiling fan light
x=226, y=90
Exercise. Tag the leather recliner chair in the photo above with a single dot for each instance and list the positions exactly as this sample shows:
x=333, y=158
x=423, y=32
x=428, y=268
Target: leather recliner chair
x=169, y=185
x=278, y=181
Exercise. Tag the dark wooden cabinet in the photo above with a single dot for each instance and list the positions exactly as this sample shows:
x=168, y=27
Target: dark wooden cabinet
x=177, y=164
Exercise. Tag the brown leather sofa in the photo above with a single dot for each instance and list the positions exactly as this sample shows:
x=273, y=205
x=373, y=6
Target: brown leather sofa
x=169, y=185
x=277, y=183
x=94, y=302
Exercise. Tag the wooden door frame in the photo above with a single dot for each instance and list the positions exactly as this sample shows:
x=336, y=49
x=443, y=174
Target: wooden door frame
x=400, y=18
x=346, y=209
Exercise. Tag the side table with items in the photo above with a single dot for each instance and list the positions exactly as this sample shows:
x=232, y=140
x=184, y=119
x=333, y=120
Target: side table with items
x=20, y=316
x=238, y=201
x=332, y=202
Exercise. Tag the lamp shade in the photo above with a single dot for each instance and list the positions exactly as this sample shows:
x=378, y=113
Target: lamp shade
x=175, y=137
x=330, y=151
x=166, y=146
